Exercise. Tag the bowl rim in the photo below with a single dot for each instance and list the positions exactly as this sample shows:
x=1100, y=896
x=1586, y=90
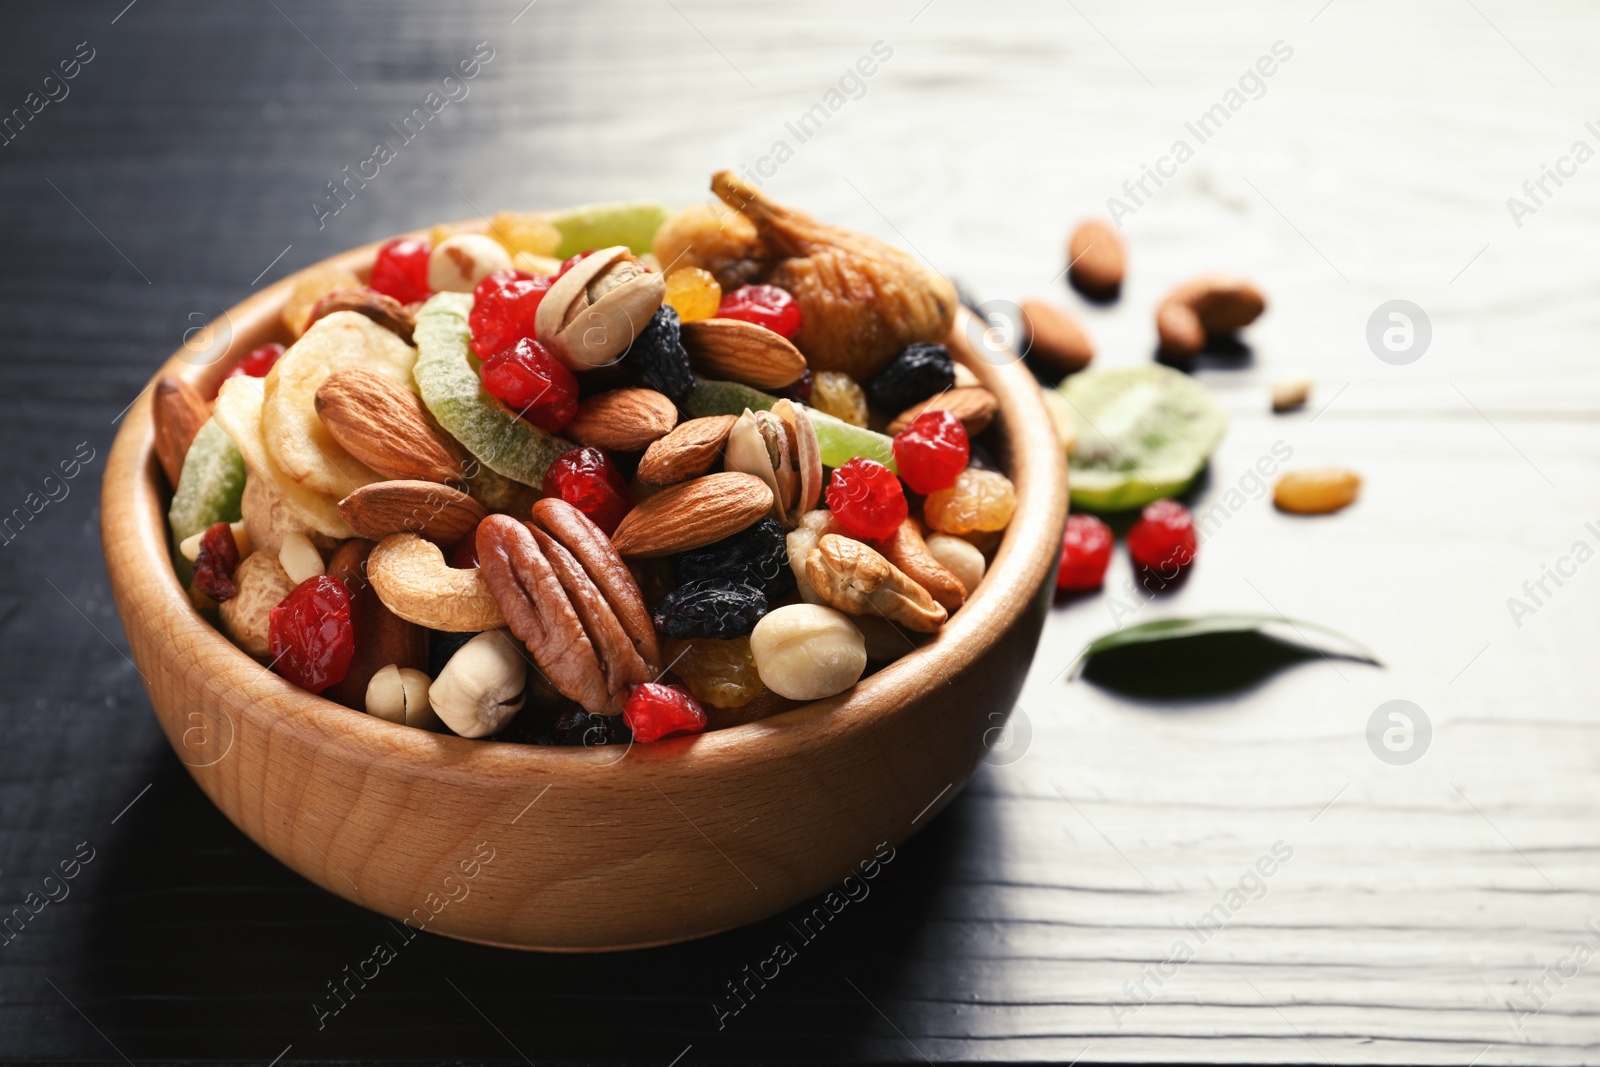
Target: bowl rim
x=133, y=507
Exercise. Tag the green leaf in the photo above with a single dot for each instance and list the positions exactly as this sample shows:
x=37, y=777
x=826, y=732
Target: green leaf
x=1307, y=635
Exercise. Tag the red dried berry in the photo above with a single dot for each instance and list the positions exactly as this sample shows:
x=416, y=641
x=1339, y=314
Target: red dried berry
x=866, y=499
x=588, y=480
x=1085, y=554
x=214, y=566
x=764, y=305
x=258, y=362
x=310, y=636
x=572, y=261
x=655, y=711
x=533, y=383
x=401, y=270
x=504, y=306
x=932, y=452
x=1163, y=539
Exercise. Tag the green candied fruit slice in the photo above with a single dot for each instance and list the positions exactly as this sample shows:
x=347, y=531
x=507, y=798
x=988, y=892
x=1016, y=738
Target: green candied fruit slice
x=837, y=440
x=209, y=489
x=713, y=397
x=447, y=377
x=1143, y=434
x=841, y=442
x=211, y=485
x=630, y=222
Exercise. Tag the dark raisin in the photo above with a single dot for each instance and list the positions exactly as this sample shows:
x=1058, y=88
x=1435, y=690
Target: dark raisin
x=712, y=607
x=658, y=357
x=577, y=727
x=214, y=566
x=756, y=556
x=798, y=390
x=917, y=373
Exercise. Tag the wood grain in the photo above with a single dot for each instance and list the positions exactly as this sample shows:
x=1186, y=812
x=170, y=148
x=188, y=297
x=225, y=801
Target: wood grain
x=1376, y=165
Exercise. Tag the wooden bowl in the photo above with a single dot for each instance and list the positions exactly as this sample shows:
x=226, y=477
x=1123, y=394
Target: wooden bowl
x=579, y=849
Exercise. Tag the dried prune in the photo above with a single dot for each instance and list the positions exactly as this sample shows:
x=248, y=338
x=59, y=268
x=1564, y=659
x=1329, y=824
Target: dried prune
x=577, y=727
x=755, y=556
x=711, y=607
x=658, y=357
x=918, y=372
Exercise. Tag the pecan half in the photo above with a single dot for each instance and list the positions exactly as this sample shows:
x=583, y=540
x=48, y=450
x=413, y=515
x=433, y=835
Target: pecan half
x=906, y=549
x=620, y=663
x=593, y=550
x=538, y=612
x=857, y=580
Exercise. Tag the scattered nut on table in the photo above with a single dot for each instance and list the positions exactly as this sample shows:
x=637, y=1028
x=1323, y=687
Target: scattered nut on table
x=1290, y=393
x=1316, y=491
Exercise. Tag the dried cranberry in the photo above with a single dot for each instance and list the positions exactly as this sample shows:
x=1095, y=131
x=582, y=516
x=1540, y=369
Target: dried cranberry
x=1085, y=554
x=764, y=305
x=214, y=566
x=932, y=452
x=572, y=261
x=401, y=270
x=866, y=499
x=655, y=711
x=258, y=362
x=1164, y=538
x=310, y=635
x=588, y=480
x=533, y=383
x=504, y=306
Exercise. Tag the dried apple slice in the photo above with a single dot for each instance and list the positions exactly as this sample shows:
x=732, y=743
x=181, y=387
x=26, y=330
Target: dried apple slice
x=295, y=438
x=238, y=412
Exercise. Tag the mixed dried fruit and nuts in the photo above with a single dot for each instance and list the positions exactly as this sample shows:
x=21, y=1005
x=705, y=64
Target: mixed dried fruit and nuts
x=652, y=469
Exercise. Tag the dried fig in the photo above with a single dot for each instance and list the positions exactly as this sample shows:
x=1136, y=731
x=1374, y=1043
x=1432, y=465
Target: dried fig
x=862, y=300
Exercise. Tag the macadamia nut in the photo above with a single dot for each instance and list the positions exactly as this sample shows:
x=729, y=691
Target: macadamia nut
x=481, y=688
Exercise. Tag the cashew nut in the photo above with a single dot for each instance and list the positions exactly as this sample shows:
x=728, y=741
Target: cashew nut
x=400, y=694
x=481, y=688
x=247, y=617
x=414, y=581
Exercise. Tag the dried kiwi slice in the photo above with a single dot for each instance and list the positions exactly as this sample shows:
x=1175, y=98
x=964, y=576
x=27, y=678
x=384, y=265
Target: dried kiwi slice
x=632, y=222
x=447, y=378
x=1143, y=434
x=838, y=441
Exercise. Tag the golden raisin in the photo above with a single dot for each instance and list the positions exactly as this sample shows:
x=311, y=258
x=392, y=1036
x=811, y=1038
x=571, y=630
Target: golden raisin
x=980, y=500
x=836, y=393
x=721, y=673
x=693, y=293
x=520, y=232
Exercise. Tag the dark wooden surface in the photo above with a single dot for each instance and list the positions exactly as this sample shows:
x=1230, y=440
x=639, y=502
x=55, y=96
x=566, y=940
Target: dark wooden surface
x=1422, y=904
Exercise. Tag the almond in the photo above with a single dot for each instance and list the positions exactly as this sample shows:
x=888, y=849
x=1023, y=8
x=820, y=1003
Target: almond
x=178, y=412
x=687, y=452
x=622, y=420
x=742, y=352
x=382, y=309
x=384, y=425
x=437, y=512
x=692, y=515
x=974, y=405
x=1096, y=258
x=1056, y=342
